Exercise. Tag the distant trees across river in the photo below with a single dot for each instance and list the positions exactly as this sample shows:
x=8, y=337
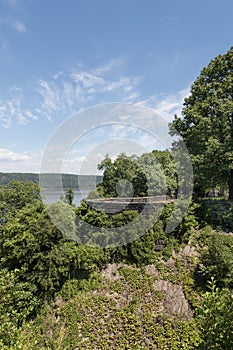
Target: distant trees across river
x=68, y=180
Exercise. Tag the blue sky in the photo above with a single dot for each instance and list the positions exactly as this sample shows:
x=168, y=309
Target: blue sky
x=61, y=57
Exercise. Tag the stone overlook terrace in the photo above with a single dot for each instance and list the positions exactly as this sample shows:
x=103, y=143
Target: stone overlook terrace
x=119, y=204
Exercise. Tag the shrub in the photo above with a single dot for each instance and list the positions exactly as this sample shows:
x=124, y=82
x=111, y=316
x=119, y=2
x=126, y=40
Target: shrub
x=214, y=317
x=218, y=259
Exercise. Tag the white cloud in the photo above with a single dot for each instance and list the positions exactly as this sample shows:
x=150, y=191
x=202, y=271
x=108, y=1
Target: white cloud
x=166, y=105
x=8, y=156
x=12, y=110
x=113, y=139
x=87, y=79
x=50, y=96
x=109, y=66
x=13, y=14
x=78, y=165
x=66, y=94
x=14, y=23
x=11, y=161
x=57, y=75
x=125, y=83
x=58, y=97
x=19, y=26
x=16, y=89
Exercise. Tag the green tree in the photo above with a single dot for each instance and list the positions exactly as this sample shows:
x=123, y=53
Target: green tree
x=163, y=168
x=18, y=194
x=155, y=177
x=122, y=177
x=18, y=302
x=206, y=124
x=46, y=253
x=218, y=259
x=33, y=244
x=69, y=196
x=214, y=317
x=150, y=174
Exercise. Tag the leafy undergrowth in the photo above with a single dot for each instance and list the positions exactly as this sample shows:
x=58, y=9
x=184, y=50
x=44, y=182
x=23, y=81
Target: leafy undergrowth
x=146, y=308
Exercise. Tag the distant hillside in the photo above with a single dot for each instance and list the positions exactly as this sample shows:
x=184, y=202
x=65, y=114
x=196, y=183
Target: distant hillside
x=68, y=180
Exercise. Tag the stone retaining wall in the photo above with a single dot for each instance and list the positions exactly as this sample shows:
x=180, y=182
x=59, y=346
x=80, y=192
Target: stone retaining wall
x=116, y=205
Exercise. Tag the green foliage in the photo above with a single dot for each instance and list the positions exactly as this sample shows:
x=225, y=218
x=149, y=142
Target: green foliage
x=69, y=289
x=204, y=235
x=226, y=218
x=40, y=261
x=218, y=259
x=55, y=262
x=150, y=174
x=142, y=251
x=214, y=317
x=120, y=175
x=92, y=234
x=69, y=196
x=18, y=302
x=188, y=224
x=179, y=221
x=206, y=124
x=122, y=314
x=33, y=244
x=144, y=247
x=169, y=168
x=73, y=286
x=178, y=335
x=154, y=174
x=6, y=178
x=17, y=195
x=63, y=217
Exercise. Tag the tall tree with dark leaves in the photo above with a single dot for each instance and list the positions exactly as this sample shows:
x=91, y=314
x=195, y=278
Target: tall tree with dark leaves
x=206, y=124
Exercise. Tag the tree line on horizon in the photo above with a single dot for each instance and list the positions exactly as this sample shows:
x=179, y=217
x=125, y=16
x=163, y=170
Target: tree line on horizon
x=68, y=180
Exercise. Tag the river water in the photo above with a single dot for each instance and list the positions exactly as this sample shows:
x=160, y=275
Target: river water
x=52, y=196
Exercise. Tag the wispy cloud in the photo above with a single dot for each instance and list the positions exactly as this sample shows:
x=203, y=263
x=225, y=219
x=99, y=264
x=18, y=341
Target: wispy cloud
x=87, y=80
x=69, y=94
x=66, y=93
x=166, y=105
x=12, y=111
x=13, y=13
x=13, y=22
x=19, y=26
x=110, y=139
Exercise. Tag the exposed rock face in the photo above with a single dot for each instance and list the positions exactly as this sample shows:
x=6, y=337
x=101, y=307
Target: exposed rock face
x=174, y=302
x=111, y=272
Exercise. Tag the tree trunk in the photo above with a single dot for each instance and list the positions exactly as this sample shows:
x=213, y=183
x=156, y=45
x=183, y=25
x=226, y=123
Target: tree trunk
x=230, y=184
x=221, y=192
